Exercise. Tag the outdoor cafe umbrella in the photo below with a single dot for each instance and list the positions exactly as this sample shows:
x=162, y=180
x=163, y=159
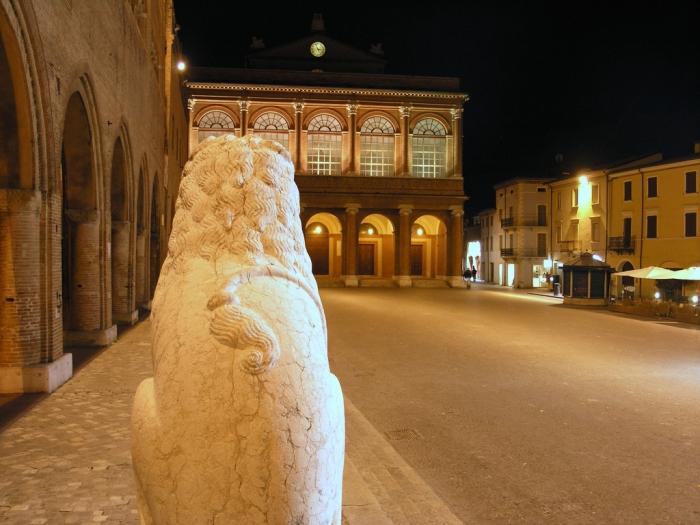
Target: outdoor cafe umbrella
x=689, y=274
x=650, y=272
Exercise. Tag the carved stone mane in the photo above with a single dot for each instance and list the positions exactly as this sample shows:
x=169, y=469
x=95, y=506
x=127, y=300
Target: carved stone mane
x=243, y=421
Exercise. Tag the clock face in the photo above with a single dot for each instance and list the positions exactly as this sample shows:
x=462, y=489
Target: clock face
x=317, y=49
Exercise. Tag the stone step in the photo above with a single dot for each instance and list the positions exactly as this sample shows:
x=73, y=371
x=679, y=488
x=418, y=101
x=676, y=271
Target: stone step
x=401, y=493
x=430, y=283
x=377, y=283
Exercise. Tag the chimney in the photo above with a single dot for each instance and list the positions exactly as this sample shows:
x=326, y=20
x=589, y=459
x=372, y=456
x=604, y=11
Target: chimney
x=317, y=25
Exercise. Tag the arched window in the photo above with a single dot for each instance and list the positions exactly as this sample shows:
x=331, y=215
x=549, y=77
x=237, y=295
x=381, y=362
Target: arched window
x=324, y=145
x=272, y=126
x=429, y=149
x=213, y=124
x=377, y=147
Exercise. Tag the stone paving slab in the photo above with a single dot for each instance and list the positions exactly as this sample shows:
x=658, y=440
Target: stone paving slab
x=67, y=460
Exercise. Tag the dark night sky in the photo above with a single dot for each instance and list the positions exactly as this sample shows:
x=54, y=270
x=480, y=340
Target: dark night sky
x=592, y=82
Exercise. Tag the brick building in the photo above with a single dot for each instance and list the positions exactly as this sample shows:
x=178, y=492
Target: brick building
x=92, y=144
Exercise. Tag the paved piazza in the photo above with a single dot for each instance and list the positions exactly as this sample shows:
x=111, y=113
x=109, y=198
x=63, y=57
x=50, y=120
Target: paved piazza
x=509, y=406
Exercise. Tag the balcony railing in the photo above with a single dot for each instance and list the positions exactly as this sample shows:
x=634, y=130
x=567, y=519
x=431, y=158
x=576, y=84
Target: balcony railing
x=522, y=252
x=621, y=244
x=570, y=246
x=511, y=222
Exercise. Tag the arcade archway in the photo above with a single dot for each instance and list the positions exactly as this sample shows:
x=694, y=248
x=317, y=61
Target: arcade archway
x=323, y=238
x=429, y=248
x=375, y=247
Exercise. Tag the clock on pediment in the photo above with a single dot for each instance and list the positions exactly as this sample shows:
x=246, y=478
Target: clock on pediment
x=317, y=49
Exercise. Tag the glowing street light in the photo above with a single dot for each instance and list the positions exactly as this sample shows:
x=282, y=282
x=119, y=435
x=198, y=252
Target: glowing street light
x=318, y=229
x=420, y=231
x=181, y=66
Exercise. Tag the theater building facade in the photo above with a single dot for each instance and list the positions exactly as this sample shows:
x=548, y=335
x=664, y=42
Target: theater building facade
x=378, y=158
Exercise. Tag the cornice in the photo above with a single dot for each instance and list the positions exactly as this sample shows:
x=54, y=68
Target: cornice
x=314, y=90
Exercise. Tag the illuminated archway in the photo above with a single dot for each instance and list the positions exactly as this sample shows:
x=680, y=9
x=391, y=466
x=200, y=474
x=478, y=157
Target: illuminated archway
x=323, y=237
x=81, y=222
x=429, y=247
x=375, y=246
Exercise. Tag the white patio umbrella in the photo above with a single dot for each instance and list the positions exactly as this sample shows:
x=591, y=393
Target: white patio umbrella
x=650, y=272
x=689, y=274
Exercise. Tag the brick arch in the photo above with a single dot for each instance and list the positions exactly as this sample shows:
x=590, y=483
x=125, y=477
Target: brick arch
x=85, y=309
x=122, y=226
x=17, y=127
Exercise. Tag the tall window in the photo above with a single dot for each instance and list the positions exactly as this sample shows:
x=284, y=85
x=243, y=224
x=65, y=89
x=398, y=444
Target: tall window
x=691, y=224
x=691, y=185
x=272, y=126
x=628, y=190
x=595, y=230
x=429, y=149
x=574, y=198
x=651, y=226
x=651, y=187
x=377, y=147
x=541, y=215
x=213, y=124
x=595, y=194
x=324, y=145
x=541, y=245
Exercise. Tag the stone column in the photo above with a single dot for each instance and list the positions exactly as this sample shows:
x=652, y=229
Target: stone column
x=244, y=116
x=457, y=140
x=456, y=247
x=351, y=237
x=122, y=310
x=192, y=142
x=405, y=213
x=352, y=119
x=298, y=111
x=405, y=170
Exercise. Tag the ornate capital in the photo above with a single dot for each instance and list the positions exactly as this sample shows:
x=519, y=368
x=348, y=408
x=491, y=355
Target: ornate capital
x=457, y=212
x=298, y=106
x=404, y=111
x=456, y=113
x=352, y=208
x=190, y=104
x=243, y=104
x=405, y=209
x=352, y=109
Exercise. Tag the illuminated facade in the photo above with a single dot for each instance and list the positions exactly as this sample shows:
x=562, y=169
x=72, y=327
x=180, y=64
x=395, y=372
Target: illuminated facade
x=378, y=157
x=578, y=217
x=654, y=212
x=523, y=207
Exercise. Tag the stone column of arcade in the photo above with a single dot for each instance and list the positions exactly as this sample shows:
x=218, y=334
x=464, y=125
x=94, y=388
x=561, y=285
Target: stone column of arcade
x=405, y=213
x=141, y=295
x=405, y=113
x=298, y=110
x=83, y=325
x=456, y=247
x=457, y=142
x=351, y=245
x=244, y=116
x=352, y=118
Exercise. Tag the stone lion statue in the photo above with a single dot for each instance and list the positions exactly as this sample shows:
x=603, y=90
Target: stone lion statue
x=242, y=422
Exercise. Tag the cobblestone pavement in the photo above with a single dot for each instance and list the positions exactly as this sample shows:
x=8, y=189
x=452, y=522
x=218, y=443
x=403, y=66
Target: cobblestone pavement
x=67, y=459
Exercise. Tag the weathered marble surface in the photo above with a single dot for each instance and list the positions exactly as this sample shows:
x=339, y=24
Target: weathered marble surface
x=243, y=421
